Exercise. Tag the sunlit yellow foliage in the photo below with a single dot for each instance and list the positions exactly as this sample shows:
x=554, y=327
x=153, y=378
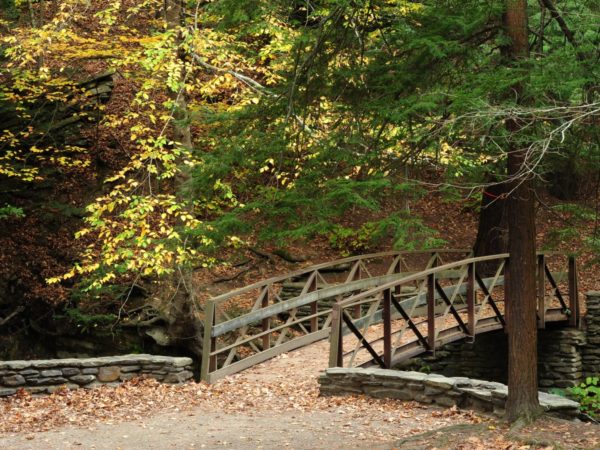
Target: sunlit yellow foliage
x=139, y=226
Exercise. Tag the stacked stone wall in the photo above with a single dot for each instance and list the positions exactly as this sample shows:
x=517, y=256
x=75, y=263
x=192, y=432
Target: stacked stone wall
x=591, y=350
x=566, y=356
x=483, y=359
x=433, y=388
x=560, y=363
x=46, y=376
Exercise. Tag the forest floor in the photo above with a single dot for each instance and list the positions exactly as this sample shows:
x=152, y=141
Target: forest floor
x=276, y=404
x=273, y=405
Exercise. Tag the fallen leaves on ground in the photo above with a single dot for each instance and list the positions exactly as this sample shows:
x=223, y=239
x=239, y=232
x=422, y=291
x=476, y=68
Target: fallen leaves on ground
x=287, y=385
x=137, y=399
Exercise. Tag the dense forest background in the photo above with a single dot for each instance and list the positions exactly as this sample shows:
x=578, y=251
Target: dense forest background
x=155, y=152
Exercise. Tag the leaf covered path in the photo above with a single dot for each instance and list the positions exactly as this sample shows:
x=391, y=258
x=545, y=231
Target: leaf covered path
x=273, y=405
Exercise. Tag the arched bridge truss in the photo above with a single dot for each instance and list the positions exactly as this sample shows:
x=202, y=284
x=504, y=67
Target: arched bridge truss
x=378, y=309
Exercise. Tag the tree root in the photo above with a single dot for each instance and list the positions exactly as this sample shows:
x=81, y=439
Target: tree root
x=7, y=319
x=461, y=428
x=533, y=441
x=233, y=277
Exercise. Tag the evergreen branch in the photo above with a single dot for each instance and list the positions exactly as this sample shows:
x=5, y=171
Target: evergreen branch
x=561, y=22
x=564, y=27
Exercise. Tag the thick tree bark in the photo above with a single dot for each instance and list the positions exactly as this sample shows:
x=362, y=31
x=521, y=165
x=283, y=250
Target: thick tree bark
x=521, y=318
x=492, y=233
x=521, y=308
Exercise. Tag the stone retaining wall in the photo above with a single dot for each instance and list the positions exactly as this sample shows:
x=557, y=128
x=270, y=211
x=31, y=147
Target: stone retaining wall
x=560, y=362
x=45, y=376
x=485, y=358
x=591, y=350
x=566, y=356
x=559, y=357
x=444, y=391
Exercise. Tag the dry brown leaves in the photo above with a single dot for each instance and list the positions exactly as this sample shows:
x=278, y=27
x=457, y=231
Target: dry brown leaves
x=286, y=385
x=130, y=401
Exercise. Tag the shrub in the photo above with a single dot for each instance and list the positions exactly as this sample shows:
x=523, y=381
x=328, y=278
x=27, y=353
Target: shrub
x=588, y=395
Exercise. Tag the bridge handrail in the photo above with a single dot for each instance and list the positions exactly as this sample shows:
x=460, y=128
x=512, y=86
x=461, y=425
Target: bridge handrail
x=382, y=297
x=295, y=302
x=265, y=310
x=434, y=270
x=307, y=270
x=418, y=276
x=242, y=327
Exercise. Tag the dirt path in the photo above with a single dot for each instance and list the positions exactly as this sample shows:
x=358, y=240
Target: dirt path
x=201, y=429
x=273, y=405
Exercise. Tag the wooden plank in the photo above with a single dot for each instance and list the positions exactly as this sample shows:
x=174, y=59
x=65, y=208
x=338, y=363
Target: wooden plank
x=471, y=299
x=266, y=323
x=266, y=355
x=387, y=328
x=431, y=311
x=314, y=307
x=306, y=287
x=397, y=268
x=314, y=322
x=556, y=315
x=311, y=284
x=395, y=265
x=421, y=275
x=553, y=283
x=277, y=308
x=249, y=338
x=335, y=342
x=357, y=275
x=410, y=323
x=207, y=341
x=348, y=321
x=444, y=297
x=421, y=300
x=573, y=293
x=410, y=350
x=302, y=272
x=485, y=288
x=541, y=291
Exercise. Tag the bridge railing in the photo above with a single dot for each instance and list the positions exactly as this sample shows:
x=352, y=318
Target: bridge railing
x=394, y=327
x=262, y=320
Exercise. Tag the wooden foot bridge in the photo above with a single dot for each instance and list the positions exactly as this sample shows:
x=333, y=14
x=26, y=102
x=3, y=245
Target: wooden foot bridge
x=377, y=309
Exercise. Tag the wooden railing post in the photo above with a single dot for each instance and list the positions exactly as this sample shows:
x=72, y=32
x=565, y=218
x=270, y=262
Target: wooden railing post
x=431, y=311
x=541, y=290
x=314, y=307
x=357, y=276
x=208, y=361
x=506, y=293
x=435, y=259
x=471, y=299
x=266, y=322
x=398, y=270
x=336, y=346
x=573, y=293
x=387, y=328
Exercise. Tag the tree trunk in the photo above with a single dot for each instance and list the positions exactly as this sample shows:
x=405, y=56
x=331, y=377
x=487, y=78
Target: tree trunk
x=492, y=233
x=521, y=319
x=184, y=323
